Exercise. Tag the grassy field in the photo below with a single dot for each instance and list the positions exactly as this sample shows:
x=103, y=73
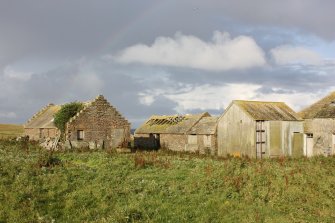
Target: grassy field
x=10, y=131
x=102, y=186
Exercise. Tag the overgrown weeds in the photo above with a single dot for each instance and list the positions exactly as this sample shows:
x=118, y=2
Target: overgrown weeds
x=103, y=186
x=150, y=159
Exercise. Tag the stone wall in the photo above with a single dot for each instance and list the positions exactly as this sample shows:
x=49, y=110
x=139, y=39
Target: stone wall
x=175, y=142
x=323, y=131
x=42, y=133
x=100, y=121
x=209, y=148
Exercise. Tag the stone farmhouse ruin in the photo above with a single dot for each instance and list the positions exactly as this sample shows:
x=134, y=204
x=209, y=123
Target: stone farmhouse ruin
x=188, y=133
x=97, y=125
x=41, y=125
x=319, y=126
x=259, y=130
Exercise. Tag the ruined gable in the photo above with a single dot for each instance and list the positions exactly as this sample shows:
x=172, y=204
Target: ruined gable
x=99, y=120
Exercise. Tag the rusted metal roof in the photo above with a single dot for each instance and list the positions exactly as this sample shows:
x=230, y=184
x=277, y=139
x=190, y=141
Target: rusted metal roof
x=206, y=126
x=268, y=111
x=171, y=124
x=324, y=108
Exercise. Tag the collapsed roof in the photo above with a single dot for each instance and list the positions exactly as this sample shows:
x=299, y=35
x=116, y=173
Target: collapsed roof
x=173, y=124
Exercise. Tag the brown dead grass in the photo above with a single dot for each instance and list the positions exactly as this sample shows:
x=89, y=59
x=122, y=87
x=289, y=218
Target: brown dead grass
x=10, y=131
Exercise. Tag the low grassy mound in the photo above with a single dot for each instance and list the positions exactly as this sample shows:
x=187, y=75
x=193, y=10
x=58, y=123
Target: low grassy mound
x=10, y=131
x=37, y=186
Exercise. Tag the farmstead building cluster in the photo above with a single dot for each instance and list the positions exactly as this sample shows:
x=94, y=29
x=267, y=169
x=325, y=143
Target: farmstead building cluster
x=255, y=129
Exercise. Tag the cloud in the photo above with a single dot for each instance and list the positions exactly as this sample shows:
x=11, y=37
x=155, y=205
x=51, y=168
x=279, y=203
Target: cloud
x=9, y=72
x=287, y=54
x=217, y=97
x=203, y=97
x=220, y=54
x=296, y=100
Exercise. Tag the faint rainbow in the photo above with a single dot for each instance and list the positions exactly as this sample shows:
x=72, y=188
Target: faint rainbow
x=116, y=37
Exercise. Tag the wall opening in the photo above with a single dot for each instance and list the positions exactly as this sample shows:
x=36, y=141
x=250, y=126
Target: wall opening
x=80, y=134
x=309, y=144
x=157, y=141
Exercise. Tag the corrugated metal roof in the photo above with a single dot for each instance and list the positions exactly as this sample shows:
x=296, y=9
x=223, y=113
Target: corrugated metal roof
x=173, y=124
x=268, y=111
x=206, y=126
x=44, y=119
x=324, y=108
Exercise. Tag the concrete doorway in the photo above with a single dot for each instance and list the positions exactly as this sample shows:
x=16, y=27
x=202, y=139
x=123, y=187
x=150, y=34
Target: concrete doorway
x=309, y=144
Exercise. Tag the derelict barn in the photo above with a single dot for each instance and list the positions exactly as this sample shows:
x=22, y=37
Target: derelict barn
x=259, y=130
x=177, y=132
x=41, y=125
x=98, y=124
x=319, y=126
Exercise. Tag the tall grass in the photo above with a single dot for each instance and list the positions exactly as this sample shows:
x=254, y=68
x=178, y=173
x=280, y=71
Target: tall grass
x=161, y=187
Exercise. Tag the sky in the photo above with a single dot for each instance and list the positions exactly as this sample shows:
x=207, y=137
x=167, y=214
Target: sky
x=164, y=56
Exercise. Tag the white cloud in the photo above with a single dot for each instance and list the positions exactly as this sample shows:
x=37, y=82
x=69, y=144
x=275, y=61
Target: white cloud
x=286, y=54
x=222, y=53
x=296, y=100
x=207, y=97
x=9, y=72
x=204, y=97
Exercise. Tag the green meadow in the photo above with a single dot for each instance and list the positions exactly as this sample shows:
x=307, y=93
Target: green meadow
x=104, y=186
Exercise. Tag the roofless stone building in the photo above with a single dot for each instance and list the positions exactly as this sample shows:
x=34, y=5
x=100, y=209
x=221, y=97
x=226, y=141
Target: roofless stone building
x=41, y=125
x=98, y=124
x=260, y=129
x=190, y=133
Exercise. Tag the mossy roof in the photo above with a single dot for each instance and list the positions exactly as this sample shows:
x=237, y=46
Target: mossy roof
x=169, y=124
x=206, y=126
x=268, y=111
x=324, y=108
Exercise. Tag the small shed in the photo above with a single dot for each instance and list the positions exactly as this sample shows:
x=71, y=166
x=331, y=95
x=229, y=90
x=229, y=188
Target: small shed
x=260, y=129
x=319, y=126
x=168, y=131
x=41, y=125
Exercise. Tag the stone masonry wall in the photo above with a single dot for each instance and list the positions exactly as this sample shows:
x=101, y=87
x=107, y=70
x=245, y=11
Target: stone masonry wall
x=38, y=134
x=173, y=142
x=100, y=121
x=203, y=149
